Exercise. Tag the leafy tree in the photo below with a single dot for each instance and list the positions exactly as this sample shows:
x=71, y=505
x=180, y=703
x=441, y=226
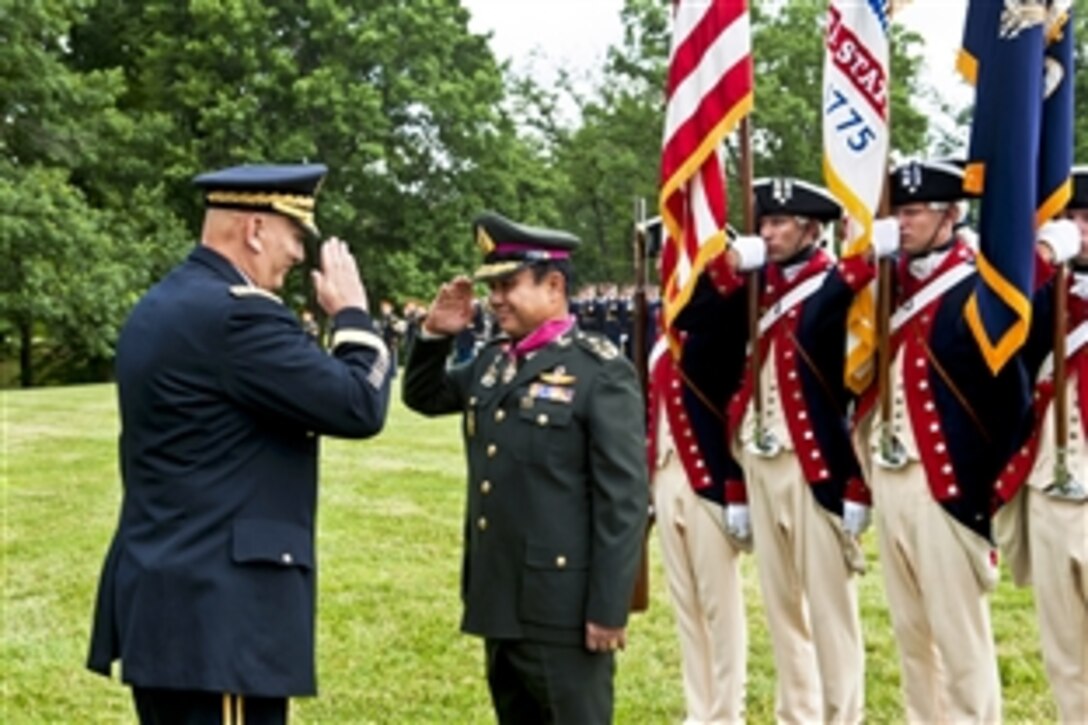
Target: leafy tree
x=398, y=97
x=63, y=273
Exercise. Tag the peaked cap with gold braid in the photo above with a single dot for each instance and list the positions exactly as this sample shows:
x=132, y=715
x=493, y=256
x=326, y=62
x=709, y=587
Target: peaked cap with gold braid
x=287, y=189
x=509, y=246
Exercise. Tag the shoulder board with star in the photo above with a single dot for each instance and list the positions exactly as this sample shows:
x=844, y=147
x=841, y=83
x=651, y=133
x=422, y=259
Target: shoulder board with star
x=243, y=291
x=599, y=345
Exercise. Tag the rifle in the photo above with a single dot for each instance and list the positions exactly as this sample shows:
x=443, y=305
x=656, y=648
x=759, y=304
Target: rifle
x=640, y=597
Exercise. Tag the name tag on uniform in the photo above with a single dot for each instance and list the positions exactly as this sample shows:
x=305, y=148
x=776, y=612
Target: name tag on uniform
x=554, y=393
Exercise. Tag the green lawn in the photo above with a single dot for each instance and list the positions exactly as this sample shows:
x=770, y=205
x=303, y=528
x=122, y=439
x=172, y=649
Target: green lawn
x=388, y=646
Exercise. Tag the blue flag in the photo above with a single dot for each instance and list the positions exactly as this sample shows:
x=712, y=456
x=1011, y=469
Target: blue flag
x=1014, y=164
x=1056, y=144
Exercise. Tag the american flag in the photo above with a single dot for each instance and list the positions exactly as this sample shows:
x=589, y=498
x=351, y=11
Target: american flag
x=709, y=91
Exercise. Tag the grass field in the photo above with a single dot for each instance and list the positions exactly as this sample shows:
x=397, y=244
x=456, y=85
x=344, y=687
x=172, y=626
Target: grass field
x=389, y=650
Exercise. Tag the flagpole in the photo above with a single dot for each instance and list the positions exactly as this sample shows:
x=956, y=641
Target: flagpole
x=885, y=269
x=1061, y=420
x=640, y=596
x=748, y=219
x=883, y=334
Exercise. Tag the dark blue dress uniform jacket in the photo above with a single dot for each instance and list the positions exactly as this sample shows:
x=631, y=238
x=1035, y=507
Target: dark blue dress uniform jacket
x=209, y=581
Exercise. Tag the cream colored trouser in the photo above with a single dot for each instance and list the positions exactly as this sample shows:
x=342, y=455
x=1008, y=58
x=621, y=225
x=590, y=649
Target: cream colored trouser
x=1058, y=532
x=937, y=577
x=809, y=594
x=703, y=572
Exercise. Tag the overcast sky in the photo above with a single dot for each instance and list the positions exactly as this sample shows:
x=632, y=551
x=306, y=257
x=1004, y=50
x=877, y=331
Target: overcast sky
x=542, y=34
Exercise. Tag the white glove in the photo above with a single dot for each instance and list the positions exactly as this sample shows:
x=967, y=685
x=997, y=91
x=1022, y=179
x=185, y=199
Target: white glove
x=751, y=252
x=885, y=237
x=738, y=523
x=856, y=518
x=1063, y=238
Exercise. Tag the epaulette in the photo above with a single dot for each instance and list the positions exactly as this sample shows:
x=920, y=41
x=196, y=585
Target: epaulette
x=599, y=345
x=245, y=290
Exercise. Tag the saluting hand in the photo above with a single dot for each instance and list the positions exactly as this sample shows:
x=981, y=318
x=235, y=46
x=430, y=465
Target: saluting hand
x=451, y=310
x=338, y=284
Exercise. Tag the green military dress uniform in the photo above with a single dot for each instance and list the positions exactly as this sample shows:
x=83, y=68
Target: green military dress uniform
x=556, y=508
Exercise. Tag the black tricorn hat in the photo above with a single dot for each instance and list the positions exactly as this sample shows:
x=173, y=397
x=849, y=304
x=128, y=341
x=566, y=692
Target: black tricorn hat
x=792, y=197
x=509, y=246
x=1079, y=199
x=287, y=189
x=924, y=181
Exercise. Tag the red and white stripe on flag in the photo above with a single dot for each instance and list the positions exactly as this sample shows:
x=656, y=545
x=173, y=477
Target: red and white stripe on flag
x=709, y=90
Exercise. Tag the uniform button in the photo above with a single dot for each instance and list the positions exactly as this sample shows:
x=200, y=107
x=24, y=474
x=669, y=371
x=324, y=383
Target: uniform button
x=542, y=419
x=485, y=487
x=802, y=415
x=815, y=455
x=933, y=427
x=807, y=435
x=929, y=406
x=952, y=490
x=481, y=523
x=472, y=400
x=940, y=447
x=561, y=561
x=946, y=468
x=492, y=449
x=310, y=434
x=500, y=415
x=286, y=558
x=792, y=375
x=923, y=385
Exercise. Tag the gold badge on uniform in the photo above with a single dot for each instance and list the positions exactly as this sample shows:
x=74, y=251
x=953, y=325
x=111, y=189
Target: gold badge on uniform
x=558, y=377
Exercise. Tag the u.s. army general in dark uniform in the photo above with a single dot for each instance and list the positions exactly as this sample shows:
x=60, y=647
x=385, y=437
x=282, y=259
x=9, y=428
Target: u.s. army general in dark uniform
x=557, y=484
x=207, y=592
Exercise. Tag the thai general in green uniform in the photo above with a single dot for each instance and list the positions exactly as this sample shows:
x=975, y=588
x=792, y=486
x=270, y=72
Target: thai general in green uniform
x=557, y=481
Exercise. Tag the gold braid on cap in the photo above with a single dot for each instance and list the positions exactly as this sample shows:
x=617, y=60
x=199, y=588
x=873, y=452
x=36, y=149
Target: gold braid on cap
x=295, y=206
x=484, y=241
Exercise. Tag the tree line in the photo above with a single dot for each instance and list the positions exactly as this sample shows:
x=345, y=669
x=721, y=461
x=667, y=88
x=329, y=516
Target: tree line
x=109, y=107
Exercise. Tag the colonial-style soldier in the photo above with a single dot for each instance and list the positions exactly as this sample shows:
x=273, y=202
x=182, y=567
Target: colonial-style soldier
x=557, y=485
x=809, y=503
x=207, y=593
x=953, y=423
x=1043, y=525
x=690, y=388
